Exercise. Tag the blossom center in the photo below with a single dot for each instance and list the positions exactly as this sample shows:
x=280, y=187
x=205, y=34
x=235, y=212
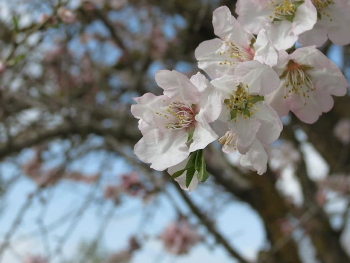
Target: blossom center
x=182, y=115
x=235, y=52
x=284, y=10
x=242, y=103
x=319, y=4
x=297, y=80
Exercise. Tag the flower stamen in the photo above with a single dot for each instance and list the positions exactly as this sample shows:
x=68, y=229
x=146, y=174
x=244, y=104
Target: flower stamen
x=183, y=113
x=319, y=4
x=234, y=51
x=242, y=103
x=284, y=10
x=298, y=81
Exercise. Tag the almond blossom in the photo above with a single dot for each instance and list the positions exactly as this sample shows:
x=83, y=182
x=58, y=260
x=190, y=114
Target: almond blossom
x=179, y=237
x=342, y=131
x=218, y=57
x=176, y=123
x=308, y=79
x=284, y=20
x=251, y=121
x=333, y=23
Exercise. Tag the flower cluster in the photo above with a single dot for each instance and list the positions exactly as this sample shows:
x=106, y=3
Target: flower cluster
x=254, y=80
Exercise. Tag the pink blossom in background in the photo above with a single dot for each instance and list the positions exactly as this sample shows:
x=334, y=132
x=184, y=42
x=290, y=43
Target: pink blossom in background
x=284, y=20
x=336, y=182
x=123, y=256
x=219, y=57
x=34, y=259
x=179, y=237
x=308, y=79
x=2, y=67
x=66, y=15
x=283, y=155
x=332, y=23
x=342, y=131
x=131, y=184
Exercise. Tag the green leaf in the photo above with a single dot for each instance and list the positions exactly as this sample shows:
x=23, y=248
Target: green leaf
x=178, y=173
x=190, y=163
x=203, y=175
x=199, y=159
x=201, y=167
x=189, y=176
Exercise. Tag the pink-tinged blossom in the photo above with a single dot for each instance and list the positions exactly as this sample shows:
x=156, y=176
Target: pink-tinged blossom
x=131, y=184
x=284, y=20
x=332, y=22
x=283, y=156
x=251, y=122
x=342, y=131
x=308, y=79
x=34, y=259
x=218, y=57
x=336, y=182
x=66, y=15
x=2, y=67
x=176, y=123
x=179, y=237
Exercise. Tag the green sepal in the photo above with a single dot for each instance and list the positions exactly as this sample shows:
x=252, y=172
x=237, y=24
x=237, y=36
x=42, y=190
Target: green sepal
x=233, y=114
x=190, y=134
x=255, y=98
x=246, y=112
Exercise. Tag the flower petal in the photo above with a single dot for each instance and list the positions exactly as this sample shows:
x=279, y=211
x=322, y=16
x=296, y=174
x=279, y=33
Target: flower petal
x=253, y=14
x=260, y=78
x=271, y=126
x=281, y=34
x=210, y=60
x=228, y=28
x=202, y=136
x=265, y=52
x=305, y=17
x=177, y=85
x=256, y=158
x=162, y=149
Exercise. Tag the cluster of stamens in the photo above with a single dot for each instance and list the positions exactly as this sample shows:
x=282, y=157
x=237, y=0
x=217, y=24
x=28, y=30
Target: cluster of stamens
x=297, y=80
x=241, y=103
x=236, y=52
x=284, y=10
x=319, y=4
x=230, y=138
x=183, y=113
